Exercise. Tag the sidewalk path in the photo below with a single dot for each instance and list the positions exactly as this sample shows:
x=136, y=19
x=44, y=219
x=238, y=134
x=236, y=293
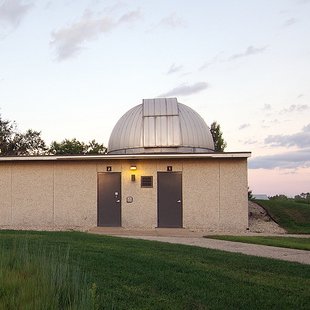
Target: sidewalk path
x=182, y=236
x=292, y=255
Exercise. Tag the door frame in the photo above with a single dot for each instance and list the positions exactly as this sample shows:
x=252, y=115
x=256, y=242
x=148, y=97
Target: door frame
x=109, y=173
x=181, y=185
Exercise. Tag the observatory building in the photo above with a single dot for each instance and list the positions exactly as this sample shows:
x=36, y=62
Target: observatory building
x=161, y=171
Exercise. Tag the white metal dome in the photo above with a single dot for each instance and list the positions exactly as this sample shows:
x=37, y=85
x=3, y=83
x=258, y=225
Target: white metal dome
x=161, y=125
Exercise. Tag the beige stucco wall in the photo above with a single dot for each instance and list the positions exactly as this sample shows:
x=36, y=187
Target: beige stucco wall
x=142, y=212
x=233, y=195
x=75, y=194
x=5, y=194
x=32, y=194
x=64, y=194
x=48, y=195
x=201, y=194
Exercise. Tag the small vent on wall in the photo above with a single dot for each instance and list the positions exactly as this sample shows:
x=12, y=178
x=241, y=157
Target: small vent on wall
x=147, y=181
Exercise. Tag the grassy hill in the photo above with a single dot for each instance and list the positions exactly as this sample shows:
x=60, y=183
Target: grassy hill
x=294, y=217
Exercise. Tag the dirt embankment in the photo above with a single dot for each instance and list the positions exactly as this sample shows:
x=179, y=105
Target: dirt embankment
x=261, y=222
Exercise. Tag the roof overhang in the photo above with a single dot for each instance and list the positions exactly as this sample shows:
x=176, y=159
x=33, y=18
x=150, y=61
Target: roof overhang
x=126, y=157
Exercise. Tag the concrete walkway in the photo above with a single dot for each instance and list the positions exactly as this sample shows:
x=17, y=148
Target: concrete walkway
x=292, y=255
x=195, y=239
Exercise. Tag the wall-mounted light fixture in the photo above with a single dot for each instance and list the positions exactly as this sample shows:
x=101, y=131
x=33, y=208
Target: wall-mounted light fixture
x=133, y=168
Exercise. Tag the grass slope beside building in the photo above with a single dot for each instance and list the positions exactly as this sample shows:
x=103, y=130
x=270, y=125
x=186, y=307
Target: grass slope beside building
x=293, y=216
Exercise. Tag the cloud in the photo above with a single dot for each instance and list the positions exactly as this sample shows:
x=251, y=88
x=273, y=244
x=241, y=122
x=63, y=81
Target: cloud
x=251, y=50
x=295, y=108
x=217, y=59
x=186, y=90
x=172, y=21
x=267, y=107
x=304, y=1
x=174, y=68
x=13, y=11
x=220, y=58
x=248, y=142
x=130, y=17
x=288, y=160
x=290, y=22
x=69, y=40
x=243, y=126
x=300, y=139
x=206, y=65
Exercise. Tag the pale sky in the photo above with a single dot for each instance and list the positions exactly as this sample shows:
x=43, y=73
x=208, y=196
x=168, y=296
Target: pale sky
x=72, y=68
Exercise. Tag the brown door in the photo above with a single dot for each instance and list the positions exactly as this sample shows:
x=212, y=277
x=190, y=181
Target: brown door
x=169, y=199
x=109, y=199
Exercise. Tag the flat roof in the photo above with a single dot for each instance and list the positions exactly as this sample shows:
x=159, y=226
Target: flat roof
x=119, y=157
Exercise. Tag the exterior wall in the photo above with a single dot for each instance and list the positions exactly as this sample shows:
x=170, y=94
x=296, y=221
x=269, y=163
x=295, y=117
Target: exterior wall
x=63, y=194
x=5, y=194
x=214, y=193
x=201, y=194
x=32, y=194
x=48, y=195
x=75, y=194
x=233, y=195
x=142, y=212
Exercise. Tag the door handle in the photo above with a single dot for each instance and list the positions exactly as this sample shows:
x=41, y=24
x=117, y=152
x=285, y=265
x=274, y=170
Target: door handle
x=179, y=201
x=118, y=200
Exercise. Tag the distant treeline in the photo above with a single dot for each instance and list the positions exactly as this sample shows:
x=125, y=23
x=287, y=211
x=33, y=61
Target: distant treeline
x=303, y=197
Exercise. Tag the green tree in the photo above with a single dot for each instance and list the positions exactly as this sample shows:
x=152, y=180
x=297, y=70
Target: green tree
x=28, y=143
x=94, y=147
x=14, y=143
x=6, y=134
x=75, y=147
x=279, y=197
x=217, y=135
x=250, y=195
x=67, y=147
x=303, y=197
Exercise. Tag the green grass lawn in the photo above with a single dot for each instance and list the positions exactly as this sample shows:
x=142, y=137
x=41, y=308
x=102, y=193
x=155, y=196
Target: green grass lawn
x=37, y=278
x=292, y=216
x=283, y=242
x=140, y=274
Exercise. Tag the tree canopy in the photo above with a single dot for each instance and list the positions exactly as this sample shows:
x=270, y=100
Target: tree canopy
x=15, y=143
x=75, y=147
x=303, y=197
x=217, y=135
